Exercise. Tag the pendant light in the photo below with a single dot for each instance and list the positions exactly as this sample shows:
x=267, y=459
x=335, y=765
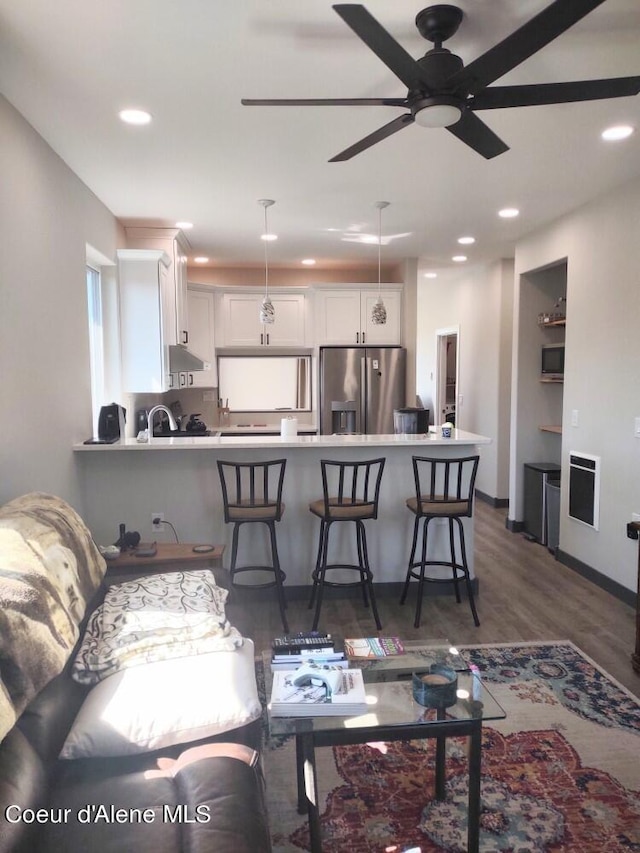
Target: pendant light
x=379, y=312
x=267, y=311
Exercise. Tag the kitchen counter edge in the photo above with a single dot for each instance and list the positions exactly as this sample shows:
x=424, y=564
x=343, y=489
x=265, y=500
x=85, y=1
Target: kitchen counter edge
x=459, y=438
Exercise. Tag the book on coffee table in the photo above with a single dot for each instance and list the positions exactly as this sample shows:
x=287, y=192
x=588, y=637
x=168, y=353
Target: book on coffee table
x=373, y=647
x=311, y=700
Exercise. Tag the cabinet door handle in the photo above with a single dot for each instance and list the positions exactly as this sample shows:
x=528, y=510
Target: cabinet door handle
x=183, y=380
x=261, y=338
x=357, y=337
x=191, y=379
x=171, y=380
x=363, y=334
x=267, y=338
x=185, y=337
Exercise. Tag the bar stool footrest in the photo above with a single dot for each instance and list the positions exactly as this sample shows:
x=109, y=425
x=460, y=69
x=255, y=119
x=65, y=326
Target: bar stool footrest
x=457, y=568
x=266, y=585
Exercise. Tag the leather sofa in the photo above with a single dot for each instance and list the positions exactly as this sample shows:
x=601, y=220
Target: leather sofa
x=206, y=794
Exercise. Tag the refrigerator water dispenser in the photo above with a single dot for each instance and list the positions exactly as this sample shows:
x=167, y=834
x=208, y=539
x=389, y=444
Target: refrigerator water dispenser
x=343, y=417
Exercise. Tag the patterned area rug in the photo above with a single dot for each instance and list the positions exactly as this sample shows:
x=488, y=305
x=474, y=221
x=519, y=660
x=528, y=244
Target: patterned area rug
x=561, y=773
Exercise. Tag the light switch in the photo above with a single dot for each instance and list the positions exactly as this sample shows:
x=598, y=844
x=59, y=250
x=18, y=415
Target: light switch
x=574, y=417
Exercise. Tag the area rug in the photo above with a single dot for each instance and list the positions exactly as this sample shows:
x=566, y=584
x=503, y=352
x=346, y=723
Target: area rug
x=560, y=773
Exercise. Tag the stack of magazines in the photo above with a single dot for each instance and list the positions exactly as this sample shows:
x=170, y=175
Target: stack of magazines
x=294, y=649
x=314, y=699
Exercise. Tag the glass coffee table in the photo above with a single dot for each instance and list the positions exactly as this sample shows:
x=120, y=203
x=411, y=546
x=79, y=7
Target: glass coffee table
x=393, y=714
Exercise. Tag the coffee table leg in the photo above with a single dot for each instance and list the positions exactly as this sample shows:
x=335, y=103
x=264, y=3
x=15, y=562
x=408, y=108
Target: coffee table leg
x=302, y=802
x=308, y=787
x=441, y=777
x=475, y=765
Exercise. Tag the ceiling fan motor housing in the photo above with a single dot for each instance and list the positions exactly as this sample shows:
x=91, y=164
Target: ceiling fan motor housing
x=438, y=66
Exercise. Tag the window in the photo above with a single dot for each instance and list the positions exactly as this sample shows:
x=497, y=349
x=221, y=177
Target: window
x=96, y=343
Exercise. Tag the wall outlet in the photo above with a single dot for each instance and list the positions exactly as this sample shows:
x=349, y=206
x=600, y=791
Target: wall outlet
x=157, y=528
x=574, y=417
x=208, y=397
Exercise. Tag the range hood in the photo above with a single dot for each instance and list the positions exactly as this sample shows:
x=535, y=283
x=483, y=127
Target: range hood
x=180, y=359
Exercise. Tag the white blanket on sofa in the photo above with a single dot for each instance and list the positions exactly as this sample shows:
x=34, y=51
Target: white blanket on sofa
x=50, y=571
x=155, y=618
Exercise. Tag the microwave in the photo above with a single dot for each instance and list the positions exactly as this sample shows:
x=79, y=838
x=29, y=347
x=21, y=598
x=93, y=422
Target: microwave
x=552, y=361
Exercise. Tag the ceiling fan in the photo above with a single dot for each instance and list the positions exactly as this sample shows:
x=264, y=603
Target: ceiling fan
x=442, y=92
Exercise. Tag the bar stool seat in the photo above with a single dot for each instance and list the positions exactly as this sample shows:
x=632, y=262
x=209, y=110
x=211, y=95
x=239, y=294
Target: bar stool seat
x=443, y=489
x=350, y=493
x=252, y=493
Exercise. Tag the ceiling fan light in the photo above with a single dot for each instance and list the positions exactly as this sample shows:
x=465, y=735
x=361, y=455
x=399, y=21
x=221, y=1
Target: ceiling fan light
x=438, y=115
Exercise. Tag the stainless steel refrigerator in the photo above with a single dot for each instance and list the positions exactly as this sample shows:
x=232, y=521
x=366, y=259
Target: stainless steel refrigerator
x=359, y=388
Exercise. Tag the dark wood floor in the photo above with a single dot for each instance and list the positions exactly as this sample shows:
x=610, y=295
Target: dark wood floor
x=525, y=594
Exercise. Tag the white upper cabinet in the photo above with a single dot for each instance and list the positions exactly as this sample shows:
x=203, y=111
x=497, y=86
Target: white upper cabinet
x=201, y=337
x=239, y=322
x=145, y=287
x=343, y=316
x=173, y=242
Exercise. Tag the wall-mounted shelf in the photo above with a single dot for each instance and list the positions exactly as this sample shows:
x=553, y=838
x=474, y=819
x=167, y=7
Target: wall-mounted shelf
x=551, y=381
x=551, y=428
x=546, y=320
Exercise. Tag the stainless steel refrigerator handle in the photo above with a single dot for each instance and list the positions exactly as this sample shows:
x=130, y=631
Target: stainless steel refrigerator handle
x=362, y=426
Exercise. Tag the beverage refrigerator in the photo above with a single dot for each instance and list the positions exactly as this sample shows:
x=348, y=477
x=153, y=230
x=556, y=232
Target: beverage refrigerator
x=359, y=388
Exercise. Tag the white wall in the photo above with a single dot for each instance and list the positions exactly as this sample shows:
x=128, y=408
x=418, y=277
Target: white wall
x=601, y=242
x=479, y=301
x=47, y=216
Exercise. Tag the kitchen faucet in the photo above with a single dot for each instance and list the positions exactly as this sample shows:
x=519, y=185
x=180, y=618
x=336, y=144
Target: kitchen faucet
x=172, y=421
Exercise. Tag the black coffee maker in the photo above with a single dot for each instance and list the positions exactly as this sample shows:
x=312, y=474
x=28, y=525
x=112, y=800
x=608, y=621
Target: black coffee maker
x=111, y=423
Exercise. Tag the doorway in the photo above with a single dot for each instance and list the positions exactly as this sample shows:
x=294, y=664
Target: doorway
x=447, y=361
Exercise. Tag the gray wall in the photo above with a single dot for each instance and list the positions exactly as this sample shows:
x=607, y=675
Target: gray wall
x=47, y=216
x=478, y=300
x=601, y=242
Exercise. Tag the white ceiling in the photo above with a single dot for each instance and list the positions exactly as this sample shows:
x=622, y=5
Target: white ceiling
x=70, y=66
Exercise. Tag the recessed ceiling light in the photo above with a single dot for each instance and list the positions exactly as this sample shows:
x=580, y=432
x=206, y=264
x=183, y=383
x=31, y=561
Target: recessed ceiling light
x=135, y=116
x=459, y=259
x=184, y=225
x=431, y=275
x=509, y=212
x=200, y=259
x=618, y=131
x=308, y=262
x=269, y=237
x=466, y=241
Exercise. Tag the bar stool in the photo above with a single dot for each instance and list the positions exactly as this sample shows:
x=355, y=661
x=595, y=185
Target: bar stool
x=350, y=493
x=444, y=489
x=251, y=493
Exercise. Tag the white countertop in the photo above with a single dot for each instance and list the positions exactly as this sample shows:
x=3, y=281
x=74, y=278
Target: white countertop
x=259, y=442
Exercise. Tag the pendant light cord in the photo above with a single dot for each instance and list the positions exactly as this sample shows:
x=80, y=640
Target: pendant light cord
x=266, y=254
x=380, y=205
x=379, y=249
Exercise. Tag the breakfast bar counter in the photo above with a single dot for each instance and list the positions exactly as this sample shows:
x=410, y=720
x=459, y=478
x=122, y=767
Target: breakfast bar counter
x=129, y=482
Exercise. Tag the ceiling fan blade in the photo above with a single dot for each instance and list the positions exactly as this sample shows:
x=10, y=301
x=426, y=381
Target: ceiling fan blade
x=474, y=132
x=382, y=44
x=325, y=102
x=377, y=136
x=498, y=97
x=520, y=45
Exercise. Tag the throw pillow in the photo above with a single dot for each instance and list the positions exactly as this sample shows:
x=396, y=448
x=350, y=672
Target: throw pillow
x=159, y=704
